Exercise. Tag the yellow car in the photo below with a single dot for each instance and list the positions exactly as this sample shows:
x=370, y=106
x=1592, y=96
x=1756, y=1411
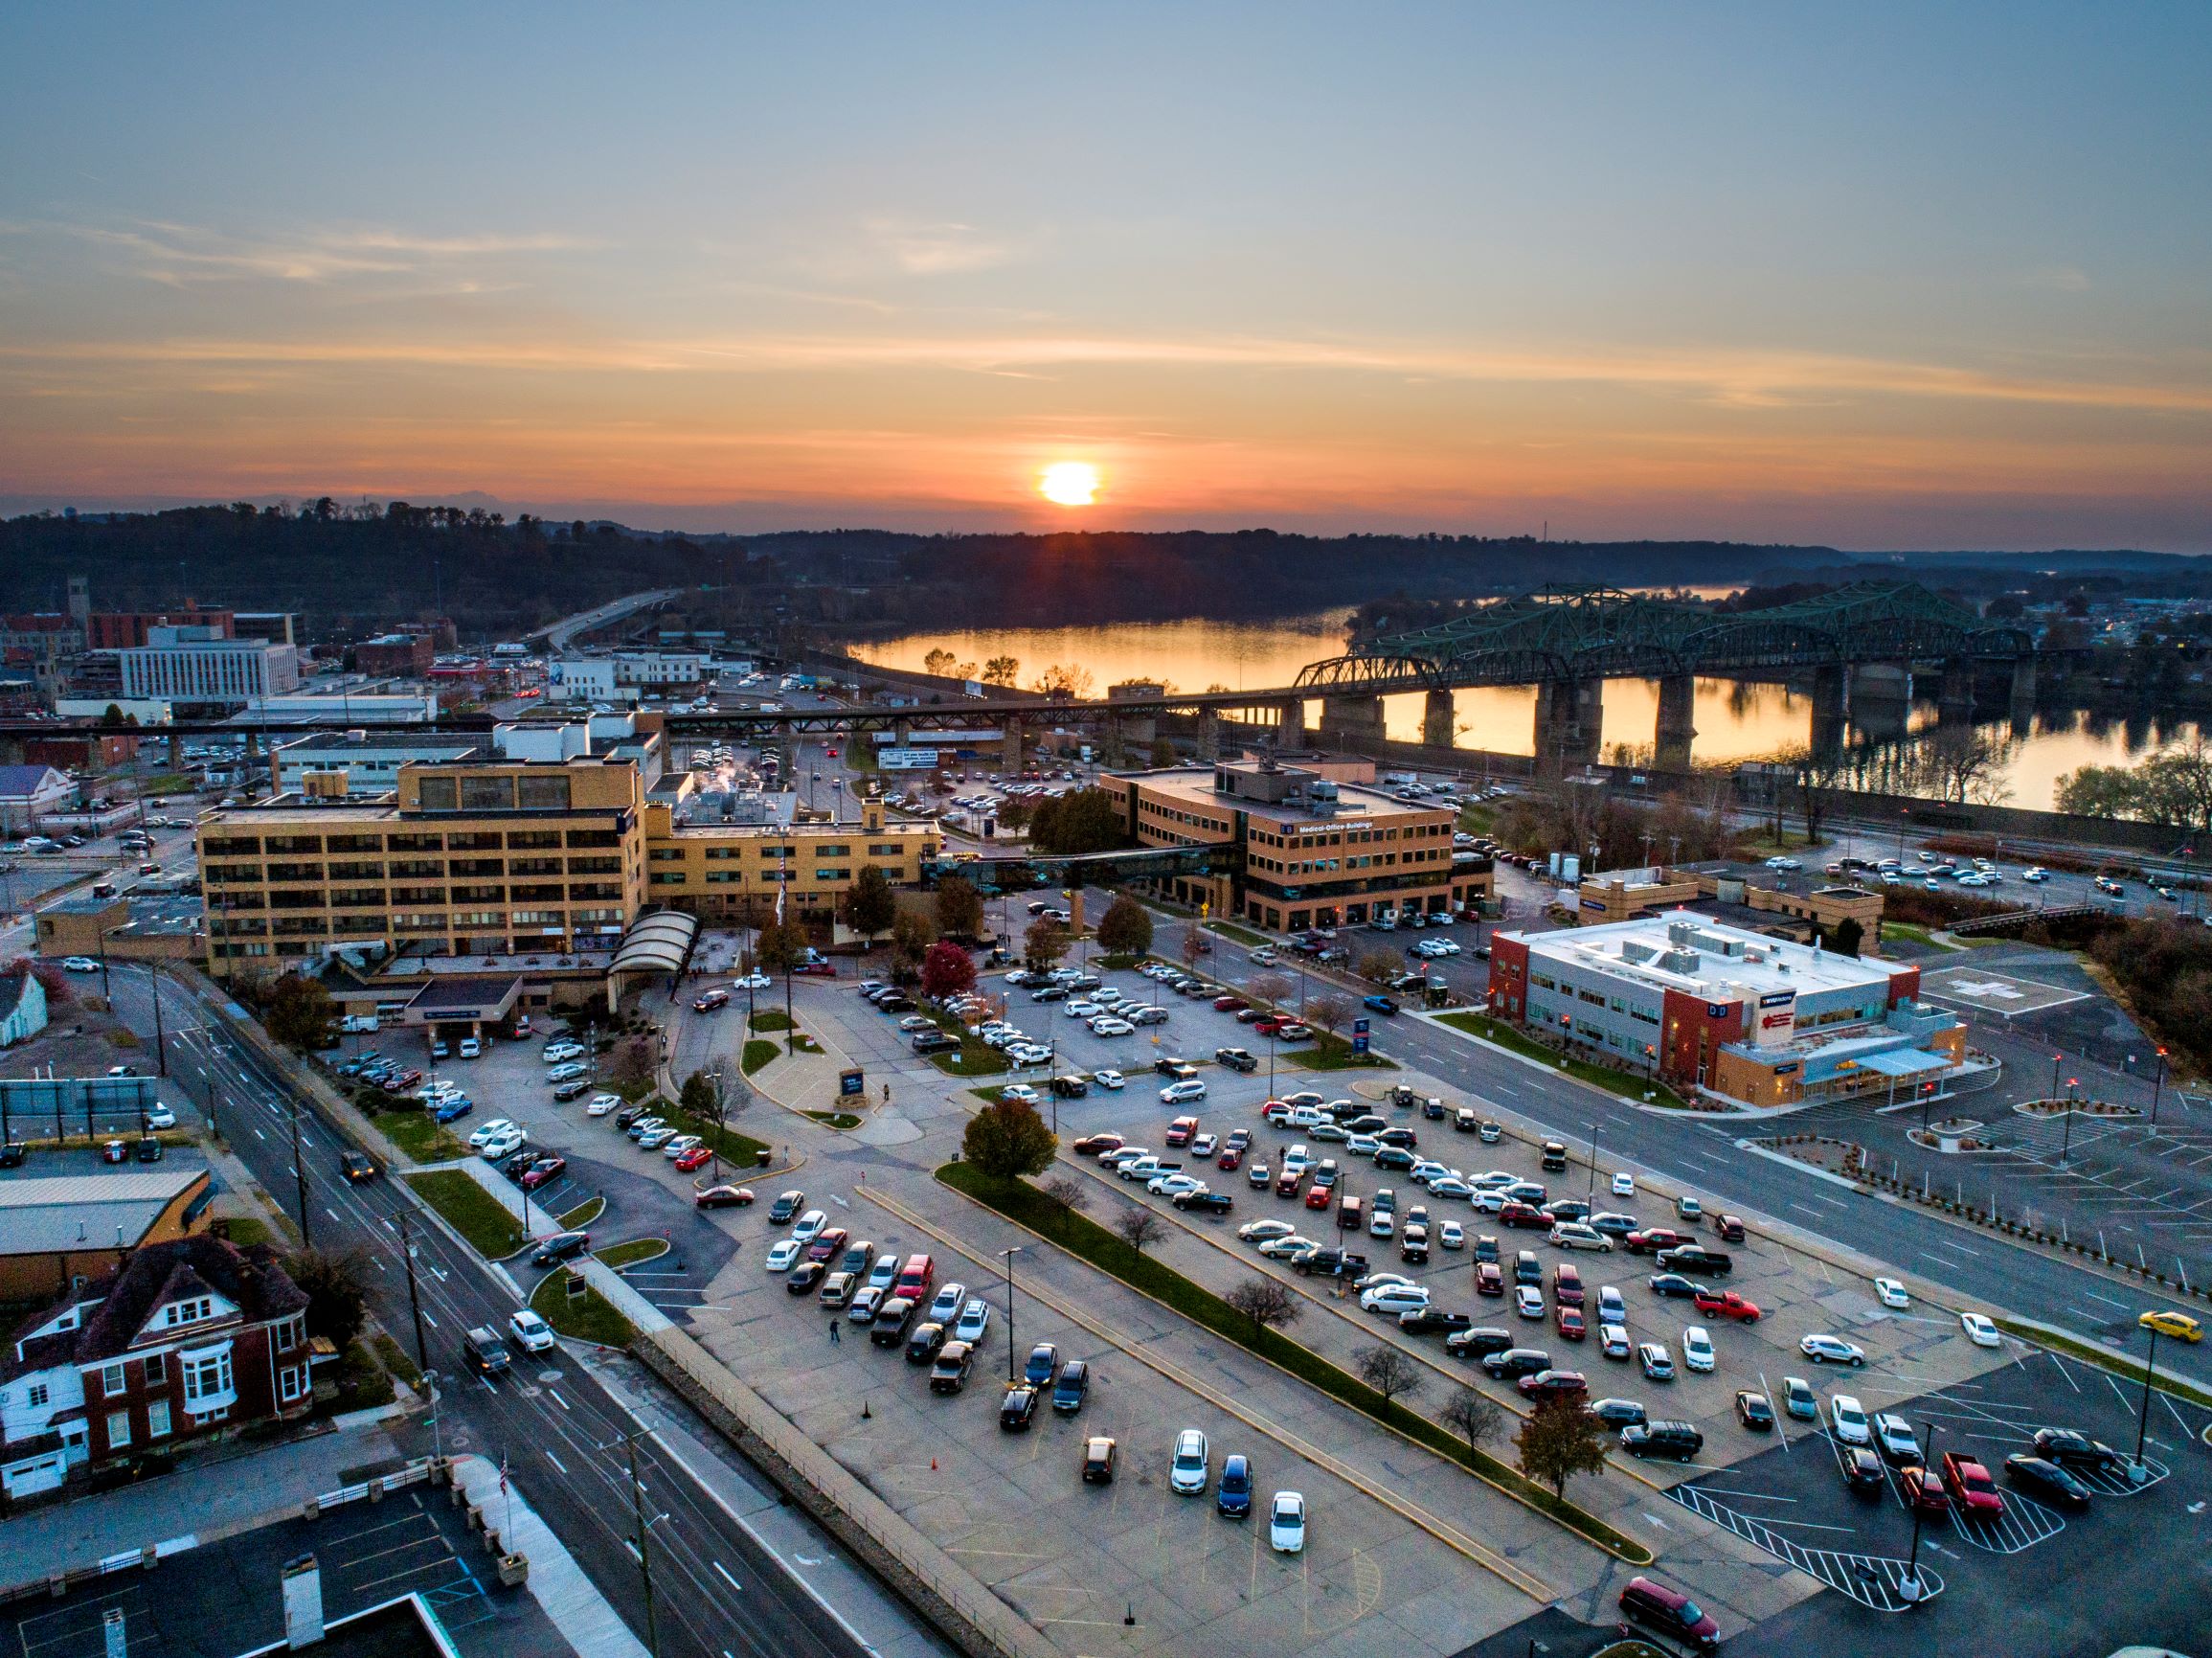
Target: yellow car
x=2177, y=1324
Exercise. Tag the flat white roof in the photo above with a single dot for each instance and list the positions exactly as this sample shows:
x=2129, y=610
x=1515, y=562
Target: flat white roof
x=1684, y=950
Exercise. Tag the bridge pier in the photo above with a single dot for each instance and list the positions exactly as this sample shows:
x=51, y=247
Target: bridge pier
x=2021, y=705
x=1677, y=696
x=1437, y=719
x=1209, y=735
x=1881, y=699
x=1290, y=726
x=1831, y=710
x=1569, y=715
x=1011, y=748
x=1956, y=706
x=1354, y=716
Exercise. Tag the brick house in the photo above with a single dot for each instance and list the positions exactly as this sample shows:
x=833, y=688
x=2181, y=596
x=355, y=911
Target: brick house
x=188, y=1340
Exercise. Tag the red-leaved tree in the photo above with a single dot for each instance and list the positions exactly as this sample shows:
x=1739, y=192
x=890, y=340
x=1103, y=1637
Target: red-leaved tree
x=946, y=971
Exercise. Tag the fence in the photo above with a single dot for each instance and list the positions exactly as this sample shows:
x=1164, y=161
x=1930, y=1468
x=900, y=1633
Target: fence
x=102, y=1105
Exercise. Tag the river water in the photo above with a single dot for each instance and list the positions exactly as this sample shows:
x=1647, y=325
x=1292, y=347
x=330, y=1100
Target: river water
x=1734, y=722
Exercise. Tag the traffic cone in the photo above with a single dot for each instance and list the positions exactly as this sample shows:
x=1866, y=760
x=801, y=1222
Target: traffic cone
x=933, y=1464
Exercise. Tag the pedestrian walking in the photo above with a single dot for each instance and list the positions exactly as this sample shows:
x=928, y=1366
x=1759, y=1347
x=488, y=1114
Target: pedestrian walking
x=836, y=1335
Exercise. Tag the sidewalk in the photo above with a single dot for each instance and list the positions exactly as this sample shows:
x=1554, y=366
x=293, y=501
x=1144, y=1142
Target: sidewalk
x=198, y=1503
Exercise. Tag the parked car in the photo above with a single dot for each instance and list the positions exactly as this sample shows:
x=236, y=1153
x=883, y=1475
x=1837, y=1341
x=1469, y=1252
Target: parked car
x=1190, y=1467
x=1017, y=1408
x=1680, y=1441
x=949, y=1369
x=1971, y=1488
x=1670, y=1613
x=1286, y=1523
x=2047, y=1482
x=1098, y=1451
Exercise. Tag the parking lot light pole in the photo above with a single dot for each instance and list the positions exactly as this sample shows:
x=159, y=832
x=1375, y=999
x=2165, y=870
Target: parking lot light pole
x=1593, y=1160
x=1909, y=1585
x=413, y=1299
x=2157, y=1087
x=2056, y=1058
x=1009, y=1254
x=2143, y=1417
x=299, y=1179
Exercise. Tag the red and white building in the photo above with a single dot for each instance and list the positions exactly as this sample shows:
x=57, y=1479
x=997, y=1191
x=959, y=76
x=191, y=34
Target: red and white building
x=188, y=1339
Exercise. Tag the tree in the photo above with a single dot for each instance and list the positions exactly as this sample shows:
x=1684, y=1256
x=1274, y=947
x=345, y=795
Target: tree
x=781, y=946
x=1560, y=1441
x=1193, y=946
x=1269, y=987
x=1163, y=754
x=1138, y=1226
x=1846, y=936
x=1266, y=1301
x=300, y=1013
x=1044, y=945
x=1084, y=819
x=1327, y=1011
x=1474, y=1416
x=1125, y=929
x=1068, y=1192
x=1059, y=680
x=713, y=1096
x=872, y=906
x=1390, y=1371
x=1379, y=966
x=633, y=1060
x=912, y=934
x=940, y=663
x=1006, y=1140
x=959, y=908
x=1002, y=670
x=947, y=971
x=337, y=1296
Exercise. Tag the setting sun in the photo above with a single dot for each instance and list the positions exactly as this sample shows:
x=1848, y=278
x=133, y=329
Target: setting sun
x=1070, y=482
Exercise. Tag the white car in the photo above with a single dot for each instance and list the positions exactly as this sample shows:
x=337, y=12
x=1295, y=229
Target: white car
x=2039, y=874
x=471, y=1048
x=1021, y=1093
x=1110, y=1079
x=1393, y=1298
x=1892, y=1294
x=678, y=1145
x=1109, y=1026
x=1452, y=1235
x=1573, y=1234
x=569, y=1072
x=79, y=964
x=160, y=1117
x=1448, y=1186
x=503, y=1144
x=1847, y=1418
x=1183, y=1092
x=1781, y=863
x=785, y=1255
x=1361, y=1145
x=1898, y=1443
x=1286, y=1523
x=1261, y=1231
x=1176, y=1185
x=1697, y=1347
x=1528, y=1301
x=1979, y=1330
x=949, y=1299
x=808, y=1226
x=975, y=1319
x=1623, y=1184
x=753, y=982
x=1612, y=1339
x=604, y=1105
x=489, y=1131
x=557, y=1052
x=1083, y=1009
x=1489, y=1200
x=1187, y=1474
x=1830, y=1350
x=530, y=1332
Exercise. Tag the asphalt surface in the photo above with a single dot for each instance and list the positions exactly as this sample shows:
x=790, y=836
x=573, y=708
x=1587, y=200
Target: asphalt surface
x=550, y=1417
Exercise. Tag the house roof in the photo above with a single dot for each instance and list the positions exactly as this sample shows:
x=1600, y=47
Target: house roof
x=28, y=781
x=13, y=982
x=251, y=1279
x=45, y=1215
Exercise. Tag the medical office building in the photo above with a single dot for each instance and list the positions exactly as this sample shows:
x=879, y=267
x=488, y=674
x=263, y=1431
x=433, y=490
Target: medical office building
x=1738, y=1014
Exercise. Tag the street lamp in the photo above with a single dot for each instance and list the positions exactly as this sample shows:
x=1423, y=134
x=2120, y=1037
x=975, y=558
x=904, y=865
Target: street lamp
x=2054, y=1059
x=1009, y=1254
x=2066, y=1140
x=1593, y=1160
x=2143, y=1417
x=2157, y=1087
x=1909, y=1585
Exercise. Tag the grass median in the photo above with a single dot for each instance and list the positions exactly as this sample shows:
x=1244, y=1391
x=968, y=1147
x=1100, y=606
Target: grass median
x=1086, y=1238
x=1505, y=1036
x=471, y=1211
x=1328, y=1053
x=621, y=1255
x=758, y=1051
x=588, y=1316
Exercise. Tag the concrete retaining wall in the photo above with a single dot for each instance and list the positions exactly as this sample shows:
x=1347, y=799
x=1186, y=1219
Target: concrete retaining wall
x=961, y=1607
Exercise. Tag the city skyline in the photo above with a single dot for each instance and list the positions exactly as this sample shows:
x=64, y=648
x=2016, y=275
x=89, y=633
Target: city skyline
x=1900, y=279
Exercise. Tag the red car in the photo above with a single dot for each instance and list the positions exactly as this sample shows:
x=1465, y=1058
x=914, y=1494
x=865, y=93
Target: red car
x=1286, y=1184
x=1922, y=1493
x=1180, y=1131
x=826, y=1244
x=545, y=1168
x=816, y=969
x=1568, y=1319
x=1489, y=1277
x=1092, y=1144
x=1268, y=1027
x=1971, y=1488
x=1726, y=1304
x=1553, y=1384
x=1230, y=1004
x=1653, y=1238
x=1524, y=1215
x=1317, y=1197
x=695, y=1159
x=1670, y=1612
x=1232, y=1158
x=1567, y=1285
x=724, y=1198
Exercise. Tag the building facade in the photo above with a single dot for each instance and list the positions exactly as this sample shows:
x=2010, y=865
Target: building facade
x=187, y=1340
x=30, y=794
x=22, y=1005
x=199, y=665
x=1736, y=1013
x=1299, y=850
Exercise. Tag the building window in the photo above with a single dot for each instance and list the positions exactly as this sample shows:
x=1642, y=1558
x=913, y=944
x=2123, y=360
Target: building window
x=288, y=1384
x=189, y=1311
x=438, y=794
x=157, y=1419
x=36, y=1396
x=110, y=1380
x=543, y=793
x=156, y=1370
x=207, y=1377
x=118, y=1430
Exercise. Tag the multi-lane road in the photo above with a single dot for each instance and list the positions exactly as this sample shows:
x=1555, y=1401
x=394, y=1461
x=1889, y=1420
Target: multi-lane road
x=718, y=1592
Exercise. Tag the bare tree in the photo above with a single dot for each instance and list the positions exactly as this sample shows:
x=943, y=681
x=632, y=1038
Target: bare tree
x=1378, y=966
x=1269, y=987
x=1138, y=1226
x=1327, y=1011
x=1067, y=1192
x=1390, y=1371
x=1193, y=946
x=1264, y=1300
x=1474, y=1416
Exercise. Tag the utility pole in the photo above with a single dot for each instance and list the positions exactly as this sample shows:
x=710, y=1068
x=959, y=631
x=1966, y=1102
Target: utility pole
x=413, y=1299
x=2143, y=1417
x=160, y=1043
x=1593, y=1160
x=1009, y=1254
x=2157, y=1087
x=299, y=1178
x=643, y=1540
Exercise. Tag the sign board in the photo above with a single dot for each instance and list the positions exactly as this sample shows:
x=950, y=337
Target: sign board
x=574, y=1283
x=851, y=1080
x=1359, y=1036
x=906, y=759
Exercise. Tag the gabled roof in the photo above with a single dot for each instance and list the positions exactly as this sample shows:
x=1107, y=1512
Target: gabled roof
x=24, y=782
x=251, y=1279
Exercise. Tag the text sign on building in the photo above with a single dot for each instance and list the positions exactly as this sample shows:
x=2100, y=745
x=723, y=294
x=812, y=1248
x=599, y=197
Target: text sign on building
x=906, y=759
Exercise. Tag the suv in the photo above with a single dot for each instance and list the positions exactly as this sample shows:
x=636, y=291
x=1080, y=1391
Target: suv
x=1680, y=1441
x=1646, y=1602
x=1515, y=1362
x=485, y=1353
x=1073, y=1387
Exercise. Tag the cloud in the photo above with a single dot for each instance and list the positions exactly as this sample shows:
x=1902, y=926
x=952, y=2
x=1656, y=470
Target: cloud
x=2061, y=278
x=945, y=249
x=183, y=255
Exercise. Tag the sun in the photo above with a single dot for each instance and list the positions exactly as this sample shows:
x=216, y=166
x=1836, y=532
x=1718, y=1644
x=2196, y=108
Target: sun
x=1070, y=482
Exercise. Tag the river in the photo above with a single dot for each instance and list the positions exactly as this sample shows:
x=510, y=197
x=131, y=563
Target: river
x=1735, y=722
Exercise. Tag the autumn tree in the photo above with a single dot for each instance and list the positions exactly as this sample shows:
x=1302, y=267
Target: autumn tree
x=1163, y=754
x=782, y=945
x=959, y=908
x=912, y=934
x=871, y=905
x=1125, y=929
x=300, y=1013
x=1192, y=948
x=1044, y=945
x=1006, y=1140
x=1560, y=1441
x=337, y=1296
x=1327, y=1011
x=1270, y=989
x=947, y=971
x=1266, y=1301
x=1390, y=1369
x=1062, y=680
x=1378, y=966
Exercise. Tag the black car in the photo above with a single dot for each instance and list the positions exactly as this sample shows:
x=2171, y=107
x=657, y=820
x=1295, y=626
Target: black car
x=1204, y=1202
x=1696, y=1258
x=1404, y=1139
x=1753, y=1411
x=922, y=1346
x=515, y=1167
x=1526, y=1268
x=887, y=1329
x=1071, y=1087
x=2074, y=1450
x=1862, y=1469
x=1394, y=1157
x=629, y=1113
x=147, y=1151
x=484, y=1352
x=1680, y=1441
x=1168, y=1065
x=1435, y=1321
x=1331, y=1263
x=561, y=1246
x=1619, y=1413
x=786, y=1206
x=355, y=1166
x=934, y=1041
x=1478, y=1343
x=2046, y=1480
x=806, y=1276
x=1367, y=1123
x=1515, y=1362
x=1072, y=1388
x=1018, y=1409
x=1666, y=1284
x=1236, y=1059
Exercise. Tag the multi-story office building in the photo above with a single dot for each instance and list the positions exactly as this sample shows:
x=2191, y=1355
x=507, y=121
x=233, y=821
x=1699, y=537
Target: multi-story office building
x=730, y=871
x=198, y=664
x=1739, y=1013
x=1298, y=850
x=368, y=761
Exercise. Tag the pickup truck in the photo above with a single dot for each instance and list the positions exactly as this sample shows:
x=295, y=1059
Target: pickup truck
x=1204, y=1202
x=1236, y=1059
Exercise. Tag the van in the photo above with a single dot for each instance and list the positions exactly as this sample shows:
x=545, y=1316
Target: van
x=915, y=1277
x=1348, y=1212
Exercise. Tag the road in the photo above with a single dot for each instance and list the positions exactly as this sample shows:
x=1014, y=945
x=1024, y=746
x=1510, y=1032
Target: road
x=551, y=1416
x=556, y=635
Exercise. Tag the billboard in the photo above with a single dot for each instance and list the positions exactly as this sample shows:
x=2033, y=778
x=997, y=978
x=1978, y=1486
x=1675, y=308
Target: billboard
x=906, y=759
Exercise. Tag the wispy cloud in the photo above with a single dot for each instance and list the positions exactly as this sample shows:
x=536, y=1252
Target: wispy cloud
x=943, y=249
x=183, y=255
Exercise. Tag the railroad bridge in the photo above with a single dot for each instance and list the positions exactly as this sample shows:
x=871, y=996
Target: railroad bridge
x=1861, y=645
